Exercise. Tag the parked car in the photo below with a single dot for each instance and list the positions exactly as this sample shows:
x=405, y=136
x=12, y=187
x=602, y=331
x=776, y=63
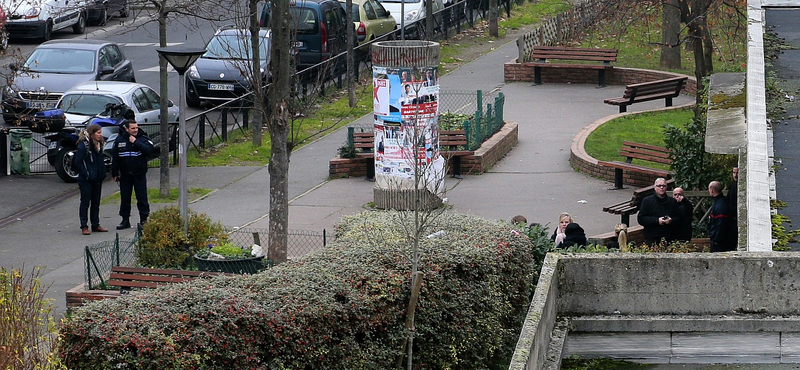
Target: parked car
x=38, y=19
x=414, y=15
x=88, y=99
x=371, y=19
x=98, y=12
x=222, y=72
x=56, y=66
x=318, y=27
x=102, y=102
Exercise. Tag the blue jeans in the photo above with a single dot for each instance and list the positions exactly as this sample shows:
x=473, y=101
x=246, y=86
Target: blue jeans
x=90, y=202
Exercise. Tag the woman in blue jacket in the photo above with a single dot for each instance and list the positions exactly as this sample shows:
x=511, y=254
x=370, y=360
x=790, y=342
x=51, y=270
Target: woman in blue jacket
x=91, y=172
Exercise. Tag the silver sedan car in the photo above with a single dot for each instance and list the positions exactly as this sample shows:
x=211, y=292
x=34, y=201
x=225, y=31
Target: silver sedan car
x=88, y=99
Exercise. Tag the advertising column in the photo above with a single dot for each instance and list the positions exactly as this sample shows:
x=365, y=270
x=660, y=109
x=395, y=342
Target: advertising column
x=409, y=171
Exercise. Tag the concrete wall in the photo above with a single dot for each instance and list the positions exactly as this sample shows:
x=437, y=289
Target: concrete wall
x=691, y=308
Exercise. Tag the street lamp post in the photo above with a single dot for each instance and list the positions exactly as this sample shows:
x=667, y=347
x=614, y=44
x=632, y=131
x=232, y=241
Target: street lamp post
x=181, y=58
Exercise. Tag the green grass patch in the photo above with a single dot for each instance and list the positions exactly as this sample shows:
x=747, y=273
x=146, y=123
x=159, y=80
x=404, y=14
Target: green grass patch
x=647, y=128
x=154, y=196
x=637, y=36
x=326, y=115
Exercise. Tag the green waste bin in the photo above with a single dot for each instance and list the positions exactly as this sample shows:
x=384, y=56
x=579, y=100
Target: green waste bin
x=20, y=141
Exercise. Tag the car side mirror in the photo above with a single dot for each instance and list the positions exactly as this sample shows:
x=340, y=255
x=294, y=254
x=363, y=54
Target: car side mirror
x=106, y=70
x=170, y=103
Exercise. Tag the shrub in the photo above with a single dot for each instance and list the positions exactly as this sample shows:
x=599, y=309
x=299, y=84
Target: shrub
x=28, y=334
x=165, y=245
x=340, y=308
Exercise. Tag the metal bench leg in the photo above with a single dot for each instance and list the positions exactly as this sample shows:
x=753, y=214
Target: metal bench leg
x=623, y=108
x=601, y=78
x=626, y=219
x=457, y=167
x=618, y=178
x=669, y=102
x=371, y=169
x=537, y=75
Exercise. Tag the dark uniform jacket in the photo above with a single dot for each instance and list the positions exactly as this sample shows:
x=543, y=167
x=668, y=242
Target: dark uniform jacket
x=130, y=159
x=720, y=229
x=651, y=210
x=89, y=163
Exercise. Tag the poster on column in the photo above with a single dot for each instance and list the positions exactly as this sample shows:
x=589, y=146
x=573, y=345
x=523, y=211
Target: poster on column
x=406, y=108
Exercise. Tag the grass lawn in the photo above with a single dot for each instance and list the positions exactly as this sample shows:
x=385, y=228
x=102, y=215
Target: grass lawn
x=646, y=128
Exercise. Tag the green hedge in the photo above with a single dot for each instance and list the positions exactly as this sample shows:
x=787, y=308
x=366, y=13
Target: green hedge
x=341, y=308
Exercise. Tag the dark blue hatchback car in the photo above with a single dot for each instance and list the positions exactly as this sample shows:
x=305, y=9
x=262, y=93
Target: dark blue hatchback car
x=318, y=27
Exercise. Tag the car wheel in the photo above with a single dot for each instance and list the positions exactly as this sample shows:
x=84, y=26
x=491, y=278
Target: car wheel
x=48, y=31
x=3, y=39
x=63, y=165
x=80, y=27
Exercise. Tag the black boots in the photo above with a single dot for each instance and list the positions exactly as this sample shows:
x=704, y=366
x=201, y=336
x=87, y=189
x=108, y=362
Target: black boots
x=125, y=224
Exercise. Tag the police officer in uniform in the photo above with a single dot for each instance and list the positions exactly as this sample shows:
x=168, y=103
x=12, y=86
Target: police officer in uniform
x=132, y=148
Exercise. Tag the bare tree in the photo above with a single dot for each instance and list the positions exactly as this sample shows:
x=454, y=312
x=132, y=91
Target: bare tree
x=670, y=34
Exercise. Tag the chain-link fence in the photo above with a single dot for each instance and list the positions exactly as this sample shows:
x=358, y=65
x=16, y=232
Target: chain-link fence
x=99, y=258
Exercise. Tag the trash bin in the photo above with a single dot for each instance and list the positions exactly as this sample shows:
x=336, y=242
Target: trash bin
x=20, y=141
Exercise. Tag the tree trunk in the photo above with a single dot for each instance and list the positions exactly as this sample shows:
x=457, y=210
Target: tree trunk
x=351, y=91
x=255, y=69
x=493, y=28
x=278, y=124
x=671, y=28
x=164, y=125
x=429, y=20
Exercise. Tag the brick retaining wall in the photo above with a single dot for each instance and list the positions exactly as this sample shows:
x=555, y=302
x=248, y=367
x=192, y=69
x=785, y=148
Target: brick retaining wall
x=523, y=72
x=583, y=162
x=490, y=152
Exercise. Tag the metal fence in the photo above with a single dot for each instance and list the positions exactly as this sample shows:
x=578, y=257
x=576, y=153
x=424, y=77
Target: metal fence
x=99, y=258
x=486, y=122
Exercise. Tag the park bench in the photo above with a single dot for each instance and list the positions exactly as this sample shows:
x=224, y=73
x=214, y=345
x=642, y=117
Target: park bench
x=642, y=152
x=627, y=208
x=660, y=89
x=450, y=144
x=541, y=54
x=141, y=277
x=635, y=234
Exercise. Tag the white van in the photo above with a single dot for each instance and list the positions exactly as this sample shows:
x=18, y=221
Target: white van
x=38, y=19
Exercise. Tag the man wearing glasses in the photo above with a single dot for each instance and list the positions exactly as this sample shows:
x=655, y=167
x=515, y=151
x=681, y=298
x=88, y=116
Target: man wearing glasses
x=658, y=214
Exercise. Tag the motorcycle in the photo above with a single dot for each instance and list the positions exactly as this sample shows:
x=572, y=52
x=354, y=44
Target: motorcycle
x=64, y=143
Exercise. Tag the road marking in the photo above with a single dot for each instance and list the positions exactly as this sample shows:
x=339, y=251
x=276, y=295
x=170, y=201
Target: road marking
x=147, y=44
x=155, y=69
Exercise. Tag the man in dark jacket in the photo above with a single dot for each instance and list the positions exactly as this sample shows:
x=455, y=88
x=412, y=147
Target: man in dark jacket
x=657, y=215
x=129, y=167
x=683, y=230
x=719, y=220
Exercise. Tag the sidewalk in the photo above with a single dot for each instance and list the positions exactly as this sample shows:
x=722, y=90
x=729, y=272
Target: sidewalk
x=534, y=179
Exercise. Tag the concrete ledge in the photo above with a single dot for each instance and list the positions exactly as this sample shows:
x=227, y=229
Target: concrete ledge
x=679, y=308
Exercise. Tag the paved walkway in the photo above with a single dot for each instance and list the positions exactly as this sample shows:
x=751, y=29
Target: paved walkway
x=534, y=179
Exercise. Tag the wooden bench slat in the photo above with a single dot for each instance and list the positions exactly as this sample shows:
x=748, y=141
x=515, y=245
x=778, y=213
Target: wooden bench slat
x=666, y=89
x=541, y=54
x=635, y=167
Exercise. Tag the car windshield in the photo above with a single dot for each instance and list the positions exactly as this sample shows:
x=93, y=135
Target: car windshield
x=304, y=20
x=45, y=60
x=234, y=47
x=86, y=104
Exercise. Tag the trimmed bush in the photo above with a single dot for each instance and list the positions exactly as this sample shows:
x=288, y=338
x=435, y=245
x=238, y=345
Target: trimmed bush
x=165, y=245
x=340, y=308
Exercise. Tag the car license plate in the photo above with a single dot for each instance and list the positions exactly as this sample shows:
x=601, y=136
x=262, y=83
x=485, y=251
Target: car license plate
x=223, y=87
x=41, y=105
x=53, y=145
